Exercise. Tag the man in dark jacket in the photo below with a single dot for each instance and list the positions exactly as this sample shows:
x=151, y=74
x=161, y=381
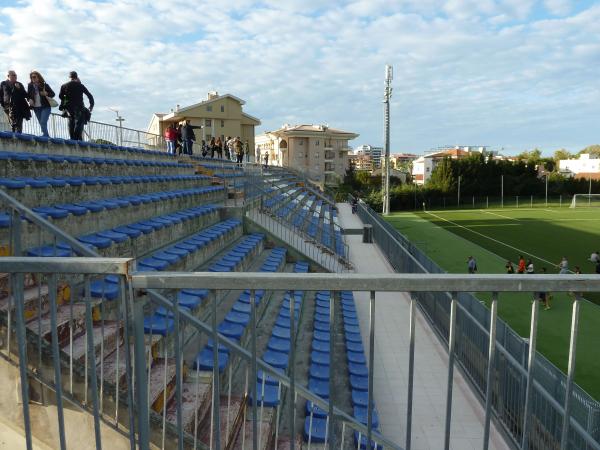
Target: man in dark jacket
x=71, y=96
x=188, y=137
x=13, y=99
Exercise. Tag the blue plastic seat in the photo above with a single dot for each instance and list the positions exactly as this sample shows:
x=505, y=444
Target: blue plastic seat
x=129, y=231
x=237, y=318
x=356, y=357
x=73, y=209
x=4, y=220
x=320, y=346
x=241, y=307
x=104, y=289
x=363, y=442
x=267, y=395
x=113, y=235
x=204, y=360
x=49, y=211
x=202, y=293
x=319, y=387
x=231, y=330
x=181, y=252
x=358, y=369
x=153, y=263
x=359, y=383
x=146, y=229
x=353, y=337
x=48, y=251
x=267, y=378
x=276, y=359
x=222, y=348
x=360, y=413
x=320, y=357
x=319, y=371
x=360, y=398
x=157, y=324
x=95, y=240
x=278, y=344
x=12, y=184
x=313, y=409
x=91, y=206
x=321, y=335
x=321, y=326
x=188, y=300
x=166, y=256
x=283, y=333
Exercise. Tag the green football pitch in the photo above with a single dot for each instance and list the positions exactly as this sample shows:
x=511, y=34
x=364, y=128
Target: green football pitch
x=494, y=236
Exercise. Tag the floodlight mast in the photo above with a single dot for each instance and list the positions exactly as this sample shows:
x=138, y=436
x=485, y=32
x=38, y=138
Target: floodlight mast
x=389, y=75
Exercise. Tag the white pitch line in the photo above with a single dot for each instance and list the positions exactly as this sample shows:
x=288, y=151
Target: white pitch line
x=523, y=252
x=499, y=215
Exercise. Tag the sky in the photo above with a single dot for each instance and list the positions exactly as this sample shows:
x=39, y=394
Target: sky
x=511, y=74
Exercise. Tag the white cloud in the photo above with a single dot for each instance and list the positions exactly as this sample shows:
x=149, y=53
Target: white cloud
x=558, y=7
x=465, y=70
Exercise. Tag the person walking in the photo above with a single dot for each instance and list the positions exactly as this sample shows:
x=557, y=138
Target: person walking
x=471, y=265
x=13, y=99
x=71, y=97
x=171, y=139
x=39, y=92
x=563, y=266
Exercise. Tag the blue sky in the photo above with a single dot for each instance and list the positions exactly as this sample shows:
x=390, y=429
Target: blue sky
x=511, y=74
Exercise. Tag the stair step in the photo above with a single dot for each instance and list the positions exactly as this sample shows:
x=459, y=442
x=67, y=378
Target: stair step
x=110, y=341
x=235, y=422
x=189, y=405
x=265, y=430
x=110, y=365
x=30, y=280
x=30, y=301
x=63, y=314
x=157, y=382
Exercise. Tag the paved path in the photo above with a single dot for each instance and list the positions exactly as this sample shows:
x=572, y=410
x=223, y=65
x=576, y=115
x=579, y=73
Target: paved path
x=431, y=362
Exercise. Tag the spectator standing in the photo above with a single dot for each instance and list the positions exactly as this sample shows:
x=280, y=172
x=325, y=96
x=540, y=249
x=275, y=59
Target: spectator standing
x=39, y=92
x=521, y=267
x=595, y=257
x=545, y=297
x=530, y=269
x=188, y=137
x=71, y=96
x=247, y=151
x=218, y=146
x=171, y=139
x=471, y=265
x=510, y=268
x=13, y=99
x=563, y=265
x=178, y=141
x=229, y=150
x=239, y=151
x=266, y=159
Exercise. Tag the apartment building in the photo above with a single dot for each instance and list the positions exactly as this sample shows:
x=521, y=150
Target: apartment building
x=318, y=151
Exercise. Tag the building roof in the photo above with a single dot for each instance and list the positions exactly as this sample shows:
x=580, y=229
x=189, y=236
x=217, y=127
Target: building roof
x=174, y=114
x=588, y=175
x=313, y=129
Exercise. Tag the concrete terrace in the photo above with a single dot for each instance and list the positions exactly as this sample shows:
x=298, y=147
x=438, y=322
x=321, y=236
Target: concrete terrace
x=431, y=364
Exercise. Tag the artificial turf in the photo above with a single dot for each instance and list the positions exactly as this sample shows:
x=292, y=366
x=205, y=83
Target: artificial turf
x=542, y=235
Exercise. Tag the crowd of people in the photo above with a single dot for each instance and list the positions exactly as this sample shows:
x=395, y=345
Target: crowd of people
x=181, y=138
x=18, y=101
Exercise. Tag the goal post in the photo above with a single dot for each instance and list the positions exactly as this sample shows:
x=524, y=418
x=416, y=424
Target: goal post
x=585, y=200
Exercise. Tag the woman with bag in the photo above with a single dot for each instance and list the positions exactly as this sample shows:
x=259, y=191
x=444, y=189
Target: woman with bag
x=40, y=99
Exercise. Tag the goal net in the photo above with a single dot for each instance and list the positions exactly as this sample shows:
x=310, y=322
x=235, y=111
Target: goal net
x=585, y=200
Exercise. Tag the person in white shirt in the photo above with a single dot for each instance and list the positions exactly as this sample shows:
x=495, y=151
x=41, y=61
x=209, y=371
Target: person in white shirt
x=563, y=265
x=595, y=257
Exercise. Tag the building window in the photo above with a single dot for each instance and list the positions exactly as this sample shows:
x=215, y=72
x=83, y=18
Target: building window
x=317, y=143
x=341, y=154
x=222, y=123
x=222, y=108
x=208, y=137
x=208, y=122
x=329, y=166
x=316, y=155
x=329, y=154
x=301, y=142
x=209, y=108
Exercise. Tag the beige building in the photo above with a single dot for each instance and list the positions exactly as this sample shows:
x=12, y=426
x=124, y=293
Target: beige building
x=219, y=115
x=318, y=151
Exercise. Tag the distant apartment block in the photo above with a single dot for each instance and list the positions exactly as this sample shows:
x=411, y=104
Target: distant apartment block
x=219, y=116
x=374, y=153
x=582, y=167
x=318, y=151
x=423, y=166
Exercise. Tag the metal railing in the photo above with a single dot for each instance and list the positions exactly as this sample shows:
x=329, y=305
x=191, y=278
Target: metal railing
x=135, y=402
x=514, y=367
x=104, y=133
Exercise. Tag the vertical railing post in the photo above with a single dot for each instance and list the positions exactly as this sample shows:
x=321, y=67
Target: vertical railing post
x=141, y=380
x=178, y=373
x=564, y=439
x=253, y=372
x=91, y=357
x=128, y=366
x=216, y=387
x=292, y=368
x=371, y=369
x=52, y=286
x=490, y=370
x=530, y=372
x=411, y=371
x=331, y=353
x=451, y=345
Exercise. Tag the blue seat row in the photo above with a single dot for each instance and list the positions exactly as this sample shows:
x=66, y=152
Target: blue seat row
x=44, y=140
x=45, y=157
x=44, y=182
x=238, y=317
x=62, y=210
x=357, y=368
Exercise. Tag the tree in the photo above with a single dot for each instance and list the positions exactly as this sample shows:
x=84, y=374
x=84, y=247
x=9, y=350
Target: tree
x=442, y=177
x=532, y=157
x=559, y=154
x=593, y=150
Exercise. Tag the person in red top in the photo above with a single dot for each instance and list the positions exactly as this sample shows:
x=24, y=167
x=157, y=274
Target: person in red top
x=171, y=138
x=521, y=267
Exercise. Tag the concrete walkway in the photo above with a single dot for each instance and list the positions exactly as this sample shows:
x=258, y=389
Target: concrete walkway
x=431, y=365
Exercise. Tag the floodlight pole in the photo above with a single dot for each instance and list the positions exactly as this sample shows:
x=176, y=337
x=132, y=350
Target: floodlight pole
x=546, y=189
x=120, y=120
x=590, y=193
x=389, y=75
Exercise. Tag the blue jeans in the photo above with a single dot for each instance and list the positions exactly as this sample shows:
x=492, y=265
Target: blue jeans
x=43, y=113
x=187, y=146
x=171, y=147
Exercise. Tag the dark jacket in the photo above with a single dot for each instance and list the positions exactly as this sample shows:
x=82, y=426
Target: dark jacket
x=45, y=87
x=71, y=96
x=187, y=132
x=14, y=97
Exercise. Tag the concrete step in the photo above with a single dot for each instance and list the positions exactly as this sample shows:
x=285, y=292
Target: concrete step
x=158, y=380
x=229, y=431
x=31, y=303
x=265, y=431
x=112, y=330
x=194, y=396
x=63, y=315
